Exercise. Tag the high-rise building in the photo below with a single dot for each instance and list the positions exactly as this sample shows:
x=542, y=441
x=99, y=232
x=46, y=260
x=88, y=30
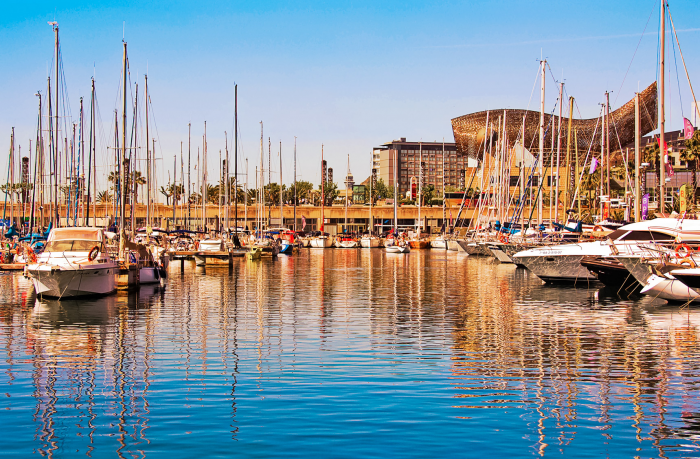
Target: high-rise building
x=409, y=164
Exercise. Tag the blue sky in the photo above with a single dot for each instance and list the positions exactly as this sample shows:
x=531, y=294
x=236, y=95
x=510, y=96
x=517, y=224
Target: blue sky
x=350, y=75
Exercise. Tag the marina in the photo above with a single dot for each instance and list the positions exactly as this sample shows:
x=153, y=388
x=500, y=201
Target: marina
x=181, y=278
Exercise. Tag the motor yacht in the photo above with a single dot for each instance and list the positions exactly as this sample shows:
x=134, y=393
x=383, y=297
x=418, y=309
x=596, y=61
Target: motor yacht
x=562, y=263
x=74, y=263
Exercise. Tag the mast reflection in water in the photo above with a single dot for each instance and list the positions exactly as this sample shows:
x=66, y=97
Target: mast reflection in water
x=348, y=353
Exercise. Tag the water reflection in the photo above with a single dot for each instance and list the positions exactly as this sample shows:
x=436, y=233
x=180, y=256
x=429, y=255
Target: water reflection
x=406, y=352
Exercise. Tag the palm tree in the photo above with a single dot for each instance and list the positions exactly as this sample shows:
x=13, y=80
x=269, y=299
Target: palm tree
x=213, y=194
x=167, y=192
x=692, y=155
x=104, y=197
x=139, y=180
x=590, y=182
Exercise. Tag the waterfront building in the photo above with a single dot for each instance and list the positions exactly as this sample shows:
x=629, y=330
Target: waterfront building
x=409, y=161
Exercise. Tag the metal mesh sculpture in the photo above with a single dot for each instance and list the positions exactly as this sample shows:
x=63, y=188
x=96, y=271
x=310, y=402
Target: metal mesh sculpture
x=470, y=130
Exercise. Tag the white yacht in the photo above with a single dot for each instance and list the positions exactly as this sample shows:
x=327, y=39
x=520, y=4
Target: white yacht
x=321, y=242
x=74, y=263
x=556, y=263
x=369, y=242
x=439, y=242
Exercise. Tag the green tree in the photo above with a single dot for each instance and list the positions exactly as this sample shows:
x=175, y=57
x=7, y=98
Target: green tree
x=428, y=192
x=252, y=196
x=382, y=191
x=303, y=191
x=272, y=194
x=331, y=192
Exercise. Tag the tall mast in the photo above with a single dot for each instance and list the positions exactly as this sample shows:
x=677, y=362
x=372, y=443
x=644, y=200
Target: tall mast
x=245, y=199
x=420, y=183
x=281, y=201
x=133, y=162
x=541, y=171
x=38, y=167
x=556, y=189
x=323, y=189
x=55, y=157
x=204, y=179
x=444, y=215
x=662, y=108
x=345, y=227
x=295, y=184
x=227, y=191
x=12, y=178
x=235, y=156
x=637, y=155
x=269, y=179
x=371, y=184
x=571, y=182
x=189, y=174
x=396, y=193
x=174, y=186
x=122, y=174
x=182, y=183
x=261, y=187
x=607, y=144
x=90, y=154
x=148, y=165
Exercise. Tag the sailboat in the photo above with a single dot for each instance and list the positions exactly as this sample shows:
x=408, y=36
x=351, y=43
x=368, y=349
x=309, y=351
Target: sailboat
x=396, y=244
x=322, y=241
x=369, y=240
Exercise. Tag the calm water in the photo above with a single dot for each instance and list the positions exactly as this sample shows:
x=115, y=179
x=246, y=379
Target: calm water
x=349, y=354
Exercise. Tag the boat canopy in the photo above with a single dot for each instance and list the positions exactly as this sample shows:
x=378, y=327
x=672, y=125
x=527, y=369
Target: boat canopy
x=211, y=245
x=72, y=234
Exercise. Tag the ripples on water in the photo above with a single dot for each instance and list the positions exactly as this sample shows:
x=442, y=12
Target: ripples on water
x=348, y=354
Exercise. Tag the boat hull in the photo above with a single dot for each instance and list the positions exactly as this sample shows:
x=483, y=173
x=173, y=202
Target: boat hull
x=149, y=275
x=321, y=242
x=369, y=242
x=656, y=286
x=500, y=254
x=398, y=249
x=557, y=268
x=212, y=258
x=453, y=245
x=89, y=280
x=440, y=244
x=419, y=245
x=612, y=273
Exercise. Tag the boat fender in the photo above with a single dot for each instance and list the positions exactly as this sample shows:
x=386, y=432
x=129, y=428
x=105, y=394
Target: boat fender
x=688, y=262
x=683, y=250
x=94, y=252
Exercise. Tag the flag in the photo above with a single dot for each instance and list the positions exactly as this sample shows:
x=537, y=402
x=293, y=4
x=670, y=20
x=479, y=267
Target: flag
x=669, y=169
x=303, y=223
x=645, y=206
x=606, y=210
x=682, y=196
x=594, y=164
x=665, y=148
x=688, y=128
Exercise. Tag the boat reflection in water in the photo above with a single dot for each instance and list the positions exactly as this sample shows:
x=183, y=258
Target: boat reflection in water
x=431, y=354
x=83, y=351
